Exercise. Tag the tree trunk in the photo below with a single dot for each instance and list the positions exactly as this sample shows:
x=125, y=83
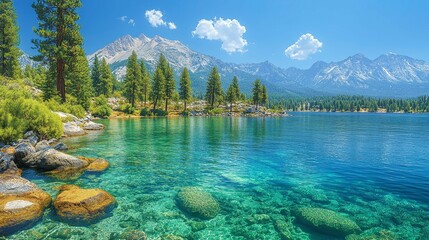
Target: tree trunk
x=185, y=105
x=230, y=108
x=166, y=104
x=154, y=104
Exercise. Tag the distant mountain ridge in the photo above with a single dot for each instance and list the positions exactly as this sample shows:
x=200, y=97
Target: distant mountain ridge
x=388, y=75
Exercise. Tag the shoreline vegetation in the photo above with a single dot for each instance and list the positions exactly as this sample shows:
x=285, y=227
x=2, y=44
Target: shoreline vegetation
x=60, y=97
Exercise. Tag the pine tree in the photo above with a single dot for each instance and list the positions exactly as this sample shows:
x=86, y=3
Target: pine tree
x=264, y=95
x=233, y=92
x=185, y=87
x=145, y=84
x=214, y=88
x=132, y=79
x=105, y=85
x=170, y=86
x=95, y=75
x=59, y=35
x=158, y=88
x=78, y=80
x=257, y=92
x=9, y=41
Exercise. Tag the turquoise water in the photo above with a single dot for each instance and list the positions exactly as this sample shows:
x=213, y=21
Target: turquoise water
x=372, y=168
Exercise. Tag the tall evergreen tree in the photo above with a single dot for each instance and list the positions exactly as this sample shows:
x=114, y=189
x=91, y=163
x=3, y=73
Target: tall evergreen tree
x=158, y=88
x=95, y=75
x=9, y=41
x=59, y=35
x=132, y=79
x=214, y=88
x=264, y=95
x=185, y=87
x=170, y=86
x=78, y=80
x=257, y=92
x=105, y=85
x=233, y=92
x=145, y=84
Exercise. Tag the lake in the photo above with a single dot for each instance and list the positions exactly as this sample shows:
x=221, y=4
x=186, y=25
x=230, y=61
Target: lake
x=370, y=168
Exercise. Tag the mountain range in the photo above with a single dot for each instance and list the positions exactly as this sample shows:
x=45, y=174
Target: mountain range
x=389, y=75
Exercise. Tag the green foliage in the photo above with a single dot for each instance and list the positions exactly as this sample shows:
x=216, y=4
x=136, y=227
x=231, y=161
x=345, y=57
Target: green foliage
x=96, y=75
x=214, y=88
x=158, y=91
x=145, y=83
x=100, y=107
x=56, y=106
x=20, y=115
x=127, y=108
x=60, y=46
x=36, y=75
x=233, y=92
x=170, y=85
x=185, y=91
x=257, y=92
x=353, y=103
x=159, y=113
x=145, y=112
x=9, y=43
x=215, y=111
x=132, y=80
x=105, y=85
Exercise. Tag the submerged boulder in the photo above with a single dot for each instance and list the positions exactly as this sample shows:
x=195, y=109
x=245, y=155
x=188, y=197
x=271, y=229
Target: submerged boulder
x=21, y=203
x=327, y=221
x=77, y=204
x=92, y=126
x=198, y=202
x=95, y=164
x=51, y=159
x=72, y=129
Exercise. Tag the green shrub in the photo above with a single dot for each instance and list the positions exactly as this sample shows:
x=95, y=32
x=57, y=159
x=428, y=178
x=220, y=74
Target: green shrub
x=127, y=108
x=145, y=112
x=67, y=107
x=215, y=111
x=100, y=108
x=159, y=113
x=20, y=115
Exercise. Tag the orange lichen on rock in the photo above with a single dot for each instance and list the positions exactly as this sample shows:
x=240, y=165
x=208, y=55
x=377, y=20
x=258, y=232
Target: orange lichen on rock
x=21, y=203
x=78, y=204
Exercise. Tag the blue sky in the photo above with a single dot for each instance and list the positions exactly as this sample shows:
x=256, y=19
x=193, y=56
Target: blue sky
x=257, y=30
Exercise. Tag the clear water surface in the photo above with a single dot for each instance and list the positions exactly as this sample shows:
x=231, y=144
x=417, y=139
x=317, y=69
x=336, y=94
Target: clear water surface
x=372, y=168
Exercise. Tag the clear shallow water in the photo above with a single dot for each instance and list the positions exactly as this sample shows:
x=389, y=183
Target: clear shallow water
x=372, y=168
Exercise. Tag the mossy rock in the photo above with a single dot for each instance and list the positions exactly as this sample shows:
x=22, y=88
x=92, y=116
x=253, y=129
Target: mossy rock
x=133, y=235
x=327, y=221
x=197, y=202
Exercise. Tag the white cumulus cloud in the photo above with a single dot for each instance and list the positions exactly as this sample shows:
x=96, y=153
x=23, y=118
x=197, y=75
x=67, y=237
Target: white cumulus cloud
x=155, y=19
x=306, y=45
x=132, y=22
x=229, y=31
x=123, y=18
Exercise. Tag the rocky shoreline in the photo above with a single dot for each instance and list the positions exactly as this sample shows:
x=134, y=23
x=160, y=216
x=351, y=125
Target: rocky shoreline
x=22, y=202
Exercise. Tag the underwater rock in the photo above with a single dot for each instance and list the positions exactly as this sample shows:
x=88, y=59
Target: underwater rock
x=92, y=126
x=197, y=226
x=72, y=129
x=95, y=164
x=133, y=235
x=196, y=201
x=23, y=150
x=284, y=229
x=259, y=218
x=327, y=221
x=21, y=203
x=171, y=237
x=77, y=204
x=378, y=234
x=42, y=145
x=51, y=159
